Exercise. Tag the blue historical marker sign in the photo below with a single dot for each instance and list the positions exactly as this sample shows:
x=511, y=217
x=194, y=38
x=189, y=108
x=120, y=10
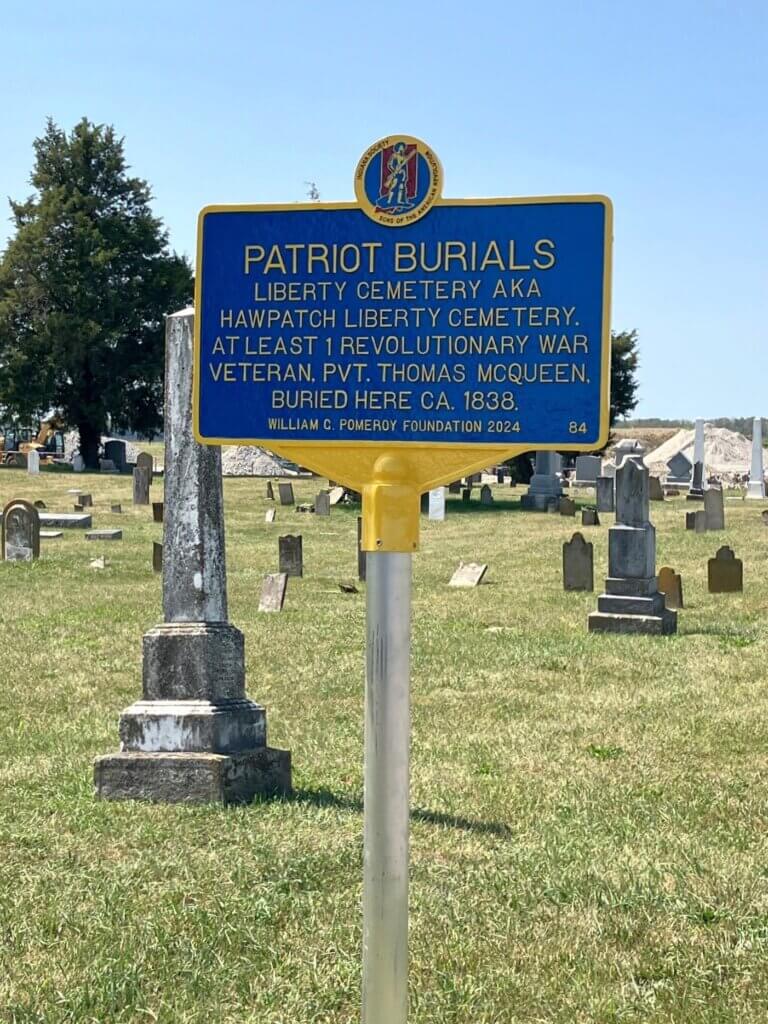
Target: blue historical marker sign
x=405, y=319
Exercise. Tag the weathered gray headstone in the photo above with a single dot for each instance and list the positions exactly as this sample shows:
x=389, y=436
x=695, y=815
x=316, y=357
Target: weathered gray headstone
x=141, y=482
x=655, y=490
x=725, y=572
x=756, y=485
x=587, y=469
x=269, y=516
x=146, y=461
x=273, y=592
x=20, y=535
x=671, y=586
x=589, y=517
x=578, y=561
x=270, y=491
x=67, y=520
x=567, y=507
x=700, y=521
x=78, y=463
x=157, y=556
x=486, y=495
x=194, y=737
x=545, y=483
x=468, y=574
x=104, y=535
x=291, y=555
x=604, y=487
x=323, y=504
x=286, y=494
x=437, y=504
x=714, y=508
x=33, y=462
x=690, y=520
x=157, y=511
x=632, y=602
x=361, y=559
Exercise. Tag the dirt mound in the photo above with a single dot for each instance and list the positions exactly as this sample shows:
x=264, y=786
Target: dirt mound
x=72, y=445
x=248, y=460
x=726, y=453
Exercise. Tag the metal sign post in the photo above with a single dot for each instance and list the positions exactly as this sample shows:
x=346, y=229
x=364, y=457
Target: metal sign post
x=387, y=744
x=395, y=344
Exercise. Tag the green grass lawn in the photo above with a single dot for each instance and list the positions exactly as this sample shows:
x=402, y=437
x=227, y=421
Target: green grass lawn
x=590, y=813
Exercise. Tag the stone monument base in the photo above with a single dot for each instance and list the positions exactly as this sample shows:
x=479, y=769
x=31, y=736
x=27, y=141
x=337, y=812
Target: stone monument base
x=632, y=606
x=695, y=496
x=655, y=625
x=755, y=490
x=538, y=502
x=196, y=778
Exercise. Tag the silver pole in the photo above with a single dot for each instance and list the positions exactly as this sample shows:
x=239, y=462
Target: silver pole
x=387, y=743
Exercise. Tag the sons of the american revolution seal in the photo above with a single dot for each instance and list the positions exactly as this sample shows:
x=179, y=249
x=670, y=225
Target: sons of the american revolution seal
x=397, y=180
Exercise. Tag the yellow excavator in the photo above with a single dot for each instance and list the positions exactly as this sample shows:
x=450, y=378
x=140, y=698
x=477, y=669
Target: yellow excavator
x=49, y=441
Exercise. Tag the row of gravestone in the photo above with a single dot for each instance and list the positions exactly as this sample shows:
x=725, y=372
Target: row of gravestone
x=725, y=572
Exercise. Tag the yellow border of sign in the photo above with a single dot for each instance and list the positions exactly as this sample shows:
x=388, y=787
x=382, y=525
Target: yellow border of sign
x=391, y=474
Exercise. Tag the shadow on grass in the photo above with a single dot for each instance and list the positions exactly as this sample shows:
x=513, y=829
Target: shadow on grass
x=326, y=798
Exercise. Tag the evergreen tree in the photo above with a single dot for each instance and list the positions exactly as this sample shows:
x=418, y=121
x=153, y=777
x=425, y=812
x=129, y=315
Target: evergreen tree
x=624, y=362
x=84, y=285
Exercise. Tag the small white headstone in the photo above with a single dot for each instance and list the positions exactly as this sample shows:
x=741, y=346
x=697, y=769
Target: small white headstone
x=78, y=463
x=33, y=462
x=437, y=504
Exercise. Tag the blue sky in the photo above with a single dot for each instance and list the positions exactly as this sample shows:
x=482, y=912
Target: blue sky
x=661, y=106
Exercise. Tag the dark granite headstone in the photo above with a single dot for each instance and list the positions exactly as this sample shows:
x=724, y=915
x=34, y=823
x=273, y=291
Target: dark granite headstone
x=567, y=507
x=157, y=511
x=690, y=520
x=605, y=500
x=270, y=491
x=578, y=564
x=725, y=572
x=115, y=451
x=157, y=556
x=291, y=555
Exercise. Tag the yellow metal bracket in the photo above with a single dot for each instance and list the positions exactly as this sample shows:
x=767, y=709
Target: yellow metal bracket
x=390, y=507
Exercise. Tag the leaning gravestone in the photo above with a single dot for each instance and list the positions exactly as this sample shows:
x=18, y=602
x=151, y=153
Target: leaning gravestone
x=323, y=504
x=336, y=494
x=269, y=515
x=468, y=574
x=194, y=737
x=291, y=555
x=725, y=572
x=605, y=501
x=141, y=482
x=145, y=461
x=567, y=507
x=632, y=602
x=33, y=462
x=714, y=508
x=486, y=495
x=273, y=592
x=104, y=535
x=286, y=494
x=20, y=540
x=655, y=490
x=671, y=586
x=578, y=561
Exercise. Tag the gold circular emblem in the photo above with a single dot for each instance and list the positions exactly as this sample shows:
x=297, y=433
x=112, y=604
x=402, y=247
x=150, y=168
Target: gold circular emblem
x=398, y=180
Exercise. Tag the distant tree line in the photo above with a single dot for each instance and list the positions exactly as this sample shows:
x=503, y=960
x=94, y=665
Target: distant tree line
x=740, y=424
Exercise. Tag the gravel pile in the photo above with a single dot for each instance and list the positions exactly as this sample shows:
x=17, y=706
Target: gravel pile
x=726, y=454
x=248, y=460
